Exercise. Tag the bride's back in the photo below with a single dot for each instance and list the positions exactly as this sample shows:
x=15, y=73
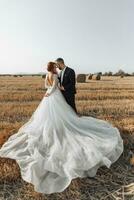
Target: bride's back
x=49, y=79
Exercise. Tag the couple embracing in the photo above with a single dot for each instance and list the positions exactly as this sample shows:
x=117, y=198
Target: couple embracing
x=67, y=80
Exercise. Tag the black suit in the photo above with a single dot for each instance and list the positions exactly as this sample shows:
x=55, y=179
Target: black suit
x=69, y=81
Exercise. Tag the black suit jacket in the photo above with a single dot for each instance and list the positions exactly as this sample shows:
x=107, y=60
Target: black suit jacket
x=69, y=81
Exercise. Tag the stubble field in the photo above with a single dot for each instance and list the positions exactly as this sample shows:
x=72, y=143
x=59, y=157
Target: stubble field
x=111, y=98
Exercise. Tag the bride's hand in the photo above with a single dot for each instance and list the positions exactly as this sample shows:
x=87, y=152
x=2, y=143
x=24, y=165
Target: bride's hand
x=47, y=94
x=61, y=88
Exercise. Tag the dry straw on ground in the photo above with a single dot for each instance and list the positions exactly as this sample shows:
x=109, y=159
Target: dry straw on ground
x=111, y=98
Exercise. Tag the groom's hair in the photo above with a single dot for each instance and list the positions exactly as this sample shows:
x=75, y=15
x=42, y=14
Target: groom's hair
x=61, y=60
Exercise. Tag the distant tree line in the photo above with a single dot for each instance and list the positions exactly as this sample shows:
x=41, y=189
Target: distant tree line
x=21, y=75
x=120, y=72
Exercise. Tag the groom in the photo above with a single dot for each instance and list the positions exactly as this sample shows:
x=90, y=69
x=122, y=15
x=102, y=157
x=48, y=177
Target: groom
x=67, y=82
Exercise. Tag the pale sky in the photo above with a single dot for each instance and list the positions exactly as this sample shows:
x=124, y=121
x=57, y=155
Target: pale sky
x=91, y=35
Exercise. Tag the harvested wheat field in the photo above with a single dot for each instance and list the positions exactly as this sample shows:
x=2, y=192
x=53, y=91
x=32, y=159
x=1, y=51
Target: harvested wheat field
x=111, y=98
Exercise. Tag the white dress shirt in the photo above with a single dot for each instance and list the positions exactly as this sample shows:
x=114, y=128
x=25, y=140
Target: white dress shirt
x=62, y=73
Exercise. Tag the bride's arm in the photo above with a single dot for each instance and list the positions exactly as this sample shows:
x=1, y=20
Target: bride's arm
x=46, y=85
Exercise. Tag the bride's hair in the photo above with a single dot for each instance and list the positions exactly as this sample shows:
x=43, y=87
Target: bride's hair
x=50, y=67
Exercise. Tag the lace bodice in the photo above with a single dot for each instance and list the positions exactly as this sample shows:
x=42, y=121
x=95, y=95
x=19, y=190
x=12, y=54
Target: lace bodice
x=51, y=88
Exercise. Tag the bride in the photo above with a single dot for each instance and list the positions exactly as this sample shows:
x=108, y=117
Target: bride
x=56, y=145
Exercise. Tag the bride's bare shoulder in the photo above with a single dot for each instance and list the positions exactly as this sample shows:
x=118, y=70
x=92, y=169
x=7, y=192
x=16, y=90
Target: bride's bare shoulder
x=51, y=76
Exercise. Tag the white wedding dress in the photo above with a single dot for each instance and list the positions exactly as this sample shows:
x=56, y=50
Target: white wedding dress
x=56, y=145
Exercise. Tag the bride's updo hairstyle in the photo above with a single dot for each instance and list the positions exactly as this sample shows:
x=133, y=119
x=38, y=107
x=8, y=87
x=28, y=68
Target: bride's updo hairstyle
x=51, y=67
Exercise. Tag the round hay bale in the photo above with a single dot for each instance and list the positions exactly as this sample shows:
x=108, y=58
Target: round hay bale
x=81, y=78
x=44, y=76
x=89, y=77
x=96, y=77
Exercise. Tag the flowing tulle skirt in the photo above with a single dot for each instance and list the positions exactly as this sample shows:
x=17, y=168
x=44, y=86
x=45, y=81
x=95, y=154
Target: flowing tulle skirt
x=56, y=146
